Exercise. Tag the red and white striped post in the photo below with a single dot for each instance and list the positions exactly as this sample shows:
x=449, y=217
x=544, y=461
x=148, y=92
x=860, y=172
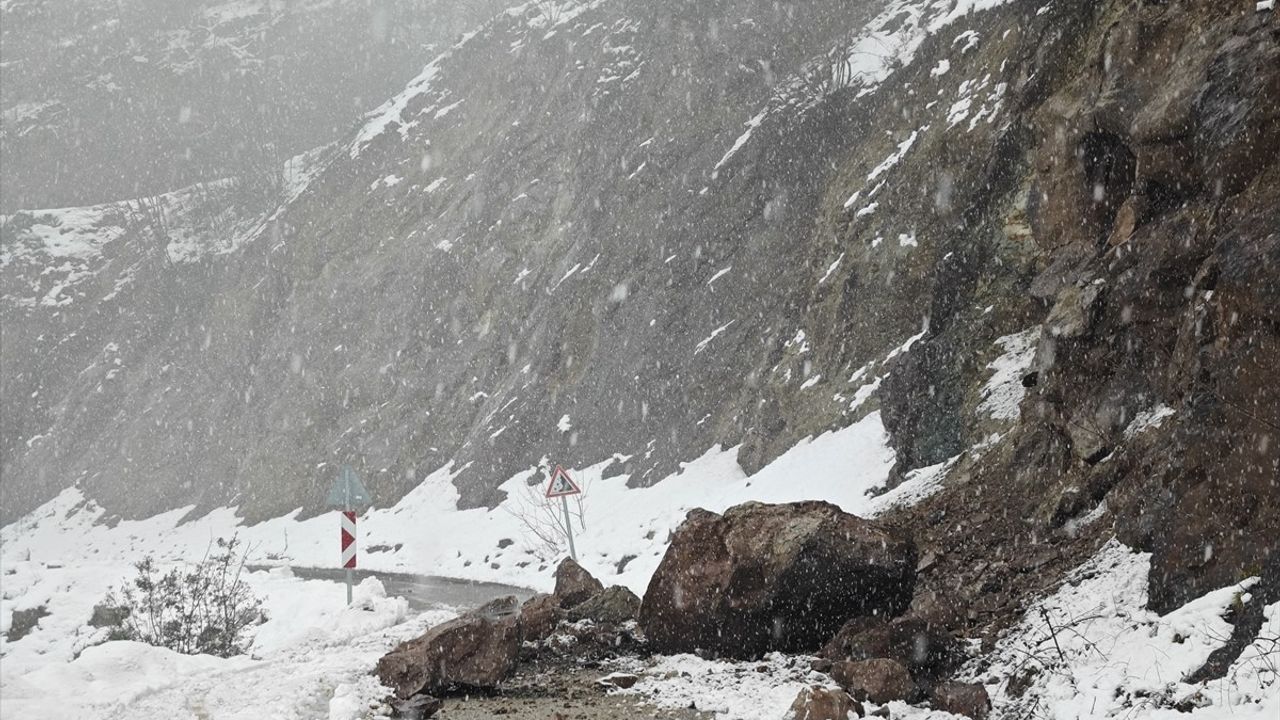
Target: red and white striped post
x=349, y=546
x=347, y=494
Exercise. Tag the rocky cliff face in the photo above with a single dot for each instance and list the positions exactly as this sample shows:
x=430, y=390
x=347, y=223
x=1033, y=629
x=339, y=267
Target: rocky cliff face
x=1041, y=239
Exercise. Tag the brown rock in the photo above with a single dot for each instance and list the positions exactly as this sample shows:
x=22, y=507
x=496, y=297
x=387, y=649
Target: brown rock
x=935, y=608
x=614, y=605
x=880, y=680
x=773, y=577
x=960, y=698
x=819, y=703
x=922, y=647
x=472, y=651
x=539, y=617
x=574, y=584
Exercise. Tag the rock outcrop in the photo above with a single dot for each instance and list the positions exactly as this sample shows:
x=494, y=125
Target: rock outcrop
x=773, y=577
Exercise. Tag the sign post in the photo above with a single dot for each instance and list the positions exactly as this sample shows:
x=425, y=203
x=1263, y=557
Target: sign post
x=347, y=493
x=562, y=486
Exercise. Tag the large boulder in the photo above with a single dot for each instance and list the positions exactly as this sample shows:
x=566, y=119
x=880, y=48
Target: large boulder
x=773, y=577
x=879, y=680
x=574, y=584
x=612, y=606
x=476, y=650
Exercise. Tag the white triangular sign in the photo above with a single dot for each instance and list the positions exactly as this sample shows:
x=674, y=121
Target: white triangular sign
x=561, y=484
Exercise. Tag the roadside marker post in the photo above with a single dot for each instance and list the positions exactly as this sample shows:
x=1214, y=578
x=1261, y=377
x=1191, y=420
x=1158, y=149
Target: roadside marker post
x=562, y=486
x=347, y=493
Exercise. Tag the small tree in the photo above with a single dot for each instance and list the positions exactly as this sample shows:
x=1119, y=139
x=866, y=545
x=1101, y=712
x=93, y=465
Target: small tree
x=202, y=609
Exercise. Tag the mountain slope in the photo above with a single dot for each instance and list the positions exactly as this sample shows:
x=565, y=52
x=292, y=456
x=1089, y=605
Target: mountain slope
x=596, y=230
x=106, y=100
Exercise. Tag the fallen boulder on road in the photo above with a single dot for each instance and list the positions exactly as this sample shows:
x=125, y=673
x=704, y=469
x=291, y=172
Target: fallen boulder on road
x=476, y=650
x=773, y=577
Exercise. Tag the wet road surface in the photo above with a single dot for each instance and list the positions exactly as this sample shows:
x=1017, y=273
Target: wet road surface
x=423, y=592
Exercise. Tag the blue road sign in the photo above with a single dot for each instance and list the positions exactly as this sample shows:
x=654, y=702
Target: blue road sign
x=347, y=492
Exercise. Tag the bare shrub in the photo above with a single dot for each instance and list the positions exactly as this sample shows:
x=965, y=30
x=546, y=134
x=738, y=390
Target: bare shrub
x=205, y=608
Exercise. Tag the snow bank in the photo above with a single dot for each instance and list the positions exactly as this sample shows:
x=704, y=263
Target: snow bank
x=1093, y=650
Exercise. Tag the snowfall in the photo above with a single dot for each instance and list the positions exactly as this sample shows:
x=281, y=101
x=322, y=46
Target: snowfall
x=313, y=657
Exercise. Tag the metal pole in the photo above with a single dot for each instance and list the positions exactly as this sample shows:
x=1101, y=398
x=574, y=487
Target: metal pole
x=568, y=526
x=348, y=587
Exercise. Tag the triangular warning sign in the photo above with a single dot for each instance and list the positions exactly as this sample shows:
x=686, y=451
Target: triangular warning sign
x=347, y=491
x=561, y=484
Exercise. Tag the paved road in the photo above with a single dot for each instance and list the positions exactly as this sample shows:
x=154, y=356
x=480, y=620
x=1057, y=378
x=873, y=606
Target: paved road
x=423, y=592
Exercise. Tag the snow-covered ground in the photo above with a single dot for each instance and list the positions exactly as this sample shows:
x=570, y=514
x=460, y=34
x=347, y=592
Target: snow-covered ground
x=313, y=657
x=1093, y=650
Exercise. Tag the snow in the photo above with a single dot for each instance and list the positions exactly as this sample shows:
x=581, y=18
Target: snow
x=314, y=653
x=871, y=54
x=1003, y=391
x=959, y=111
x=702, y=344
x=57, y=250
x=1147, y=419
x=831, y=268
x=916, y=486
x=840, y=466
x=1119, y=659
x=310, y=642
x=751, y=125
x=896, y=156
x=737, y=690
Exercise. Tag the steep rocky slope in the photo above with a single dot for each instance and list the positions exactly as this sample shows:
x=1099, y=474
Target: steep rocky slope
x=608, y=229
x=104, y=100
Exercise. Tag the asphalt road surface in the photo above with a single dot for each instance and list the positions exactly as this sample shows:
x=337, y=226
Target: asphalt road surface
x=423, y=592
